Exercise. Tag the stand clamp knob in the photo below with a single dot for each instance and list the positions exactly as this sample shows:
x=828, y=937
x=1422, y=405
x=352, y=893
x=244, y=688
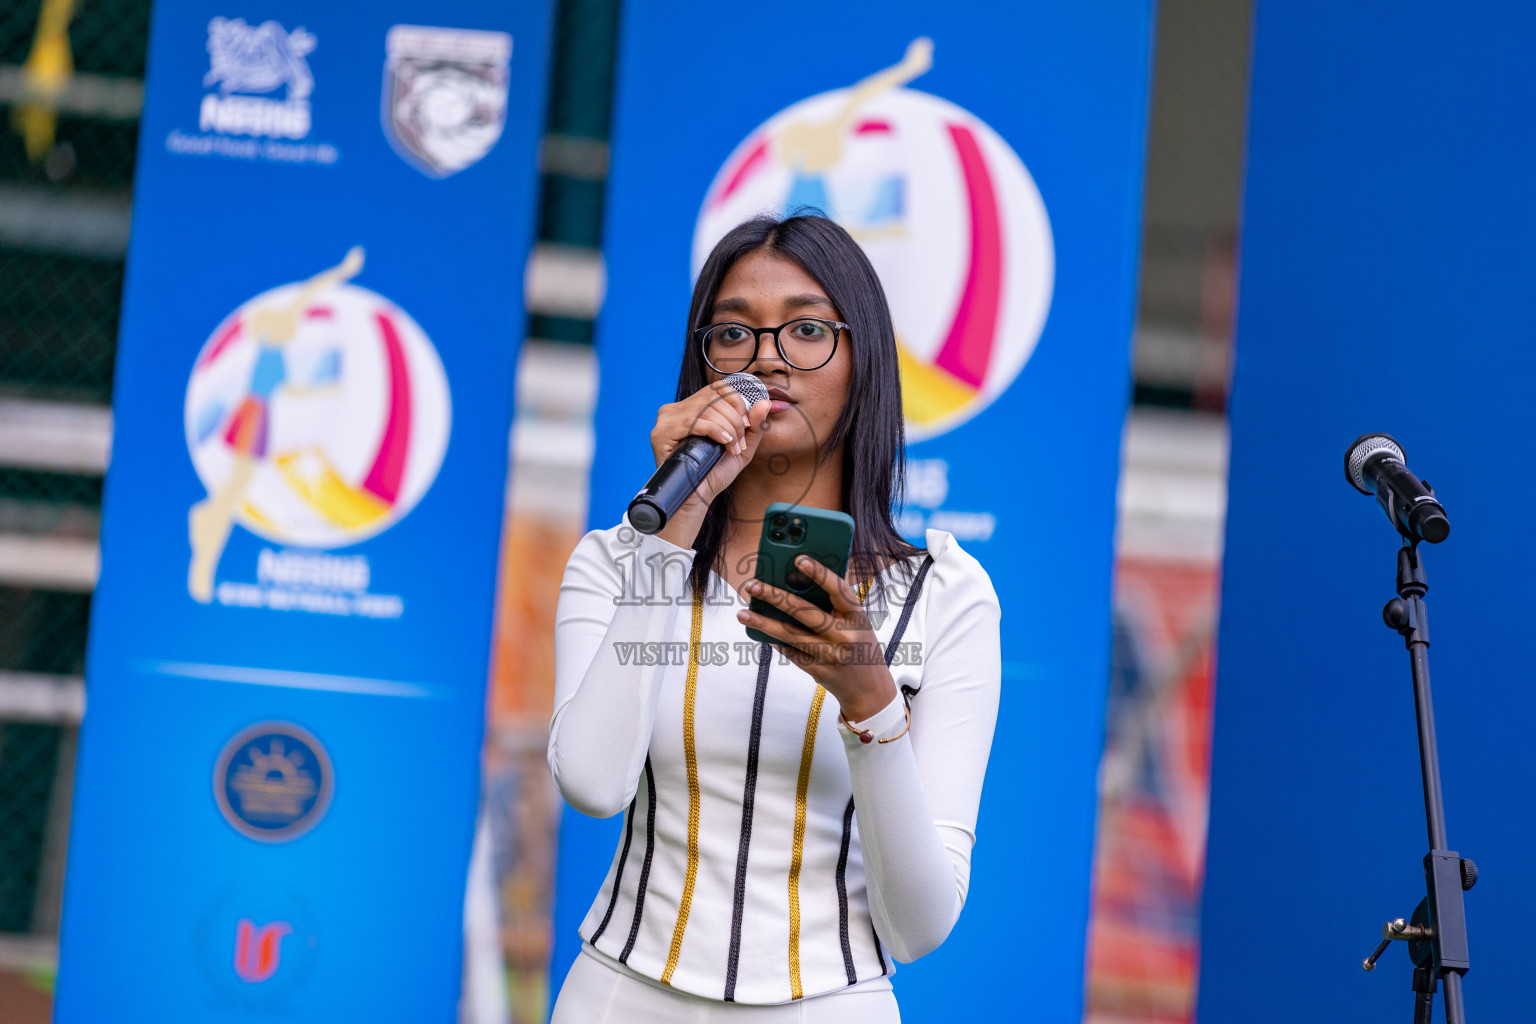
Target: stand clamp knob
x=1400, y=929
x=1468, y=873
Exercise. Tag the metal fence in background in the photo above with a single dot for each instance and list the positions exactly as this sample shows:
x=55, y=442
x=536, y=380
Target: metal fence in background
x=566, y=278
x=1154, y=777
x=547, y=492
x=71, y=86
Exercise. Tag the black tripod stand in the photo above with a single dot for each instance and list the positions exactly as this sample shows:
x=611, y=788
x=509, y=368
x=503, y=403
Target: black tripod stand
x=1436, y=933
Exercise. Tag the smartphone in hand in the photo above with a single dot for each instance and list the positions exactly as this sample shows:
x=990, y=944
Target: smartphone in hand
x=788, y=532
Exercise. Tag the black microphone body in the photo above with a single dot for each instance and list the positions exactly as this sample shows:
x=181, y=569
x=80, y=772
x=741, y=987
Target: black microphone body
x=685, y=469
x=675, y=479
x=1375, y=464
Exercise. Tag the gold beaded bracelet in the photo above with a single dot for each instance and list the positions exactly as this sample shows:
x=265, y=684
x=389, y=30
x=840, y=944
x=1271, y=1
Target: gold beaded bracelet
x=865, y=736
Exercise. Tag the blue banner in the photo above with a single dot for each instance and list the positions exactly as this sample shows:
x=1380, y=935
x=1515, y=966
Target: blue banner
x=989, y=160
x=1386, y=255
x=279, y=765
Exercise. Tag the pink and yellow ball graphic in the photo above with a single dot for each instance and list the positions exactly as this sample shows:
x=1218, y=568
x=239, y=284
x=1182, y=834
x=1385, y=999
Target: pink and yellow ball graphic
x=345, y=421
x=946, y=211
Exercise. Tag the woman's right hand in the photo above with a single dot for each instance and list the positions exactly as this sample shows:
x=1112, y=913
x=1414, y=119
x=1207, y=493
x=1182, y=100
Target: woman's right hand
x=718, y=412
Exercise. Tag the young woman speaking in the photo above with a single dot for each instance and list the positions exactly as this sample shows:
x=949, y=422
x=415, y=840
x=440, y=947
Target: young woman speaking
x=795, y=819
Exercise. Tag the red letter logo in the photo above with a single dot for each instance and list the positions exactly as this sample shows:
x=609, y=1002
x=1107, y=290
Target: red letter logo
x=257, y=950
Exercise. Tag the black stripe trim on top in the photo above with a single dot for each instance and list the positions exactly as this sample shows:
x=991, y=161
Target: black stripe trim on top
x=748, y=800
x=906, y=608
x=645, y=865
x=618, y=876
x=906, y=693
x=842, y=895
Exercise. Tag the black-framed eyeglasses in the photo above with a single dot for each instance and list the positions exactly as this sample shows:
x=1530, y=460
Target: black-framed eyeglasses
x=806, y=343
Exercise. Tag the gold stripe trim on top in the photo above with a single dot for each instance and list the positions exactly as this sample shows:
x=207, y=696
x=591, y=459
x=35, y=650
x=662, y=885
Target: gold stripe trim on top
x=692, y=759
x=802, y=787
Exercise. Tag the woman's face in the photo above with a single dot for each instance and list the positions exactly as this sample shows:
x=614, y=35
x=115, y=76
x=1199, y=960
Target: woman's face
x=765, y=290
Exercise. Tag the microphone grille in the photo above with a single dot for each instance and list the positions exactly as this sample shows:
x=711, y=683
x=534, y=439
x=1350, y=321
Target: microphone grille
x=748, y=387
x=1363, y=448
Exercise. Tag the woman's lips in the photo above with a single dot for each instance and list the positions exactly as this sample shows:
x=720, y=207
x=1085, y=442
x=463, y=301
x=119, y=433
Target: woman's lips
x=778, y=400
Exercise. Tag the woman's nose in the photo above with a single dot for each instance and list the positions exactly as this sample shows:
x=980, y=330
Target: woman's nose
x=767, y=349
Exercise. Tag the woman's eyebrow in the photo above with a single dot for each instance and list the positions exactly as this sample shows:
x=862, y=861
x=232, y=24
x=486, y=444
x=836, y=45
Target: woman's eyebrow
x=737, y=304
x=733, y=305
x=807, y=299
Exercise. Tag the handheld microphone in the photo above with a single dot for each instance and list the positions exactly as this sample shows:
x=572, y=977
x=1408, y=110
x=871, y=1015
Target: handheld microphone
x=1375, y=465
x=682, y=471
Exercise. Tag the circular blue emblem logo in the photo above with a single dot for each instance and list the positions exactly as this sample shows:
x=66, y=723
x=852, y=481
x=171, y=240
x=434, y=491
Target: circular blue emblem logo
x=273, y=782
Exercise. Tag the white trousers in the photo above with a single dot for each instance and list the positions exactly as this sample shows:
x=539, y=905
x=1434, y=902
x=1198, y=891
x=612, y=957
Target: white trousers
x=595, y=993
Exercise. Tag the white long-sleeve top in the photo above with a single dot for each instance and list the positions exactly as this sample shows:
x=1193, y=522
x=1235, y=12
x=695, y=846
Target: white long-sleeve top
x=767, y=853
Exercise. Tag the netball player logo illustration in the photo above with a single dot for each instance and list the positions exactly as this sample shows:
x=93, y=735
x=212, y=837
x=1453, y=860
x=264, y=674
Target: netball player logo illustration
x=943, y=206
x=317, y=416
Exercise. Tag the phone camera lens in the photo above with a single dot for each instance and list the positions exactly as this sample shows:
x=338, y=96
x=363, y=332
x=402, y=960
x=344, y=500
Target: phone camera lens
x=779, y=519
x=776, y=535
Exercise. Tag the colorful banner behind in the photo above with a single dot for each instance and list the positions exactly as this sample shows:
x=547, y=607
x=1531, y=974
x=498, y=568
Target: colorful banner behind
x=995, y=181
x=1386, y=271
x=280, y=764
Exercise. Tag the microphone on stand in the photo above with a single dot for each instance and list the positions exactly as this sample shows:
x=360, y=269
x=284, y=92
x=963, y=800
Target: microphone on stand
x=1375, y=465
x=682, y=471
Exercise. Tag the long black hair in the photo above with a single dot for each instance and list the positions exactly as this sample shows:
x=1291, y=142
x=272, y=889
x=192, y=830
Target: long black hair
x=869, y=430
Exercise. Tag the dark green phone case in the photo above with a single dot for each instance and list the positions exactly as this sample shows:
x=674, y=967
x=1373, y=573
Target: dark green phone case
x=792, y=530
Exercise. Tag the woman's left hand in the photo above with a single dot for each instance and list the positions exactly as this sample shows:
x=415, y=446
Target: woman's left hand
x=838, y=649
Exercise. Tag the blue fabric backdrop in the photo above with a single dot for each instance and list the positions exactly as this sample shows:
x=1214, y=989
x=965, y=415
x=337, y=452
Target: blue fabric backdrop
x=1386, y=270
x=1024, y=476
x=264, y=157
